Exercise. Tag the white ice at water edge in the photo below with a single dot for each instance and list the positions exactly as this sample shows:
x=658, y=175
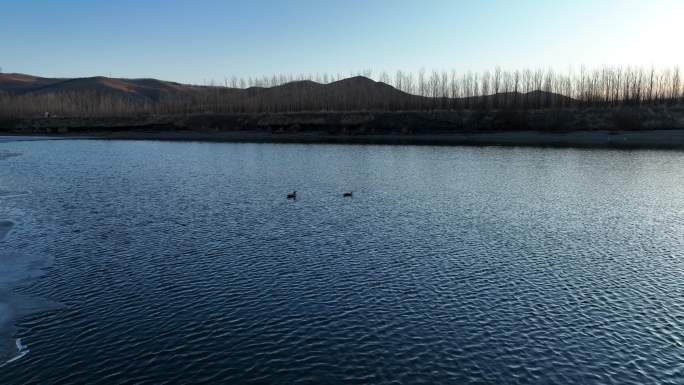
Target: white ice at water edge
x=22, y=350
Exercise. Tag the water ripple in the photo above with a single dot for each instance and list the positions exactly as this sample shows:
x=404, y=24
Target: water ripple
x=182, y=263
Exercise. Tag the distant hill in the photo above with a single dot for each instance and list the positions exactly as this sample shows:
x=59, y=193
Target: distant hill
x=20, y=83
x=102, y=95
x=352, y=88
x=152, y=89
x=352, y=93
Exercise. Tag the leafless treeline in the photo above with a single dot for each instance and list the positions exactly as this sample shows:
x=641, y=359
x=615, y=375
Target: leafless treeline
x=425, y=90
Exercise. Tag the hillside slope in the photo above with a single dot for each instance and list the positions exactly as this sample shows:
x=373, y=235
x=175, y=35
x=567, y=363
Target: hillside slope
x=22, y=95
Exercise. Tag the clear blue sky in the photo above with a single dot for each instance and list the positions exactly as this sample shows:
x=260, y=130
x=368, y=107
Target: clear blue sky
x=191, y=41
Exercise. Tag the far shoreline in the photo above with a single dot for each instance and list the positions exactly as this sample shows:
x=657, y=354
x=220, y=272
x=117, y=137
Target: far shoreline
x=661, y=139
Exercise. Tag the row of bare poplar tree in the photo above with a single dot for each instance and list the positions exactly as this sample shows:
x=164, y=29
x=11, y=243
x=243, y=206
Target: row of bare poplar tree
x=441, y=90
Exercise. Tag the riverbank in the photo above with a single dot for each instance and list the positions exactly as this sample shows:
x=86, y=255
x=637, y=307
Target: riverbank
x=658, y=127
x=643, y=139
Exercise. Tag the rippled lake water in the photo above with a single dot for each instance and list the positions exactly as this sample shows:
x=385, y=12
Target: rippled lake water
x=158, y=262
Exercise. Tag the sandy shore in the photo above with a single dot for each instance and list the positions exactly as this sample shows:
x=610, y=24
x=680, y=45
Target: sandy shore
x=647, y=139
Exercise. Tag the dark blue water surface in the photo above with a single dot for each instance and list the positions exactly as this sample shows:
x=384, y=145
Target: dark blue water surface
x=184, y=263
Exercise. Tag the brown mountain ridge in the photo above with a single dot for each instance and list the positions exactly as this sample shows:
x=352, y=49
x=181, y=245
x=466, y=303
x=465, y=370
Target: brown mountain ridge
x=354, y=93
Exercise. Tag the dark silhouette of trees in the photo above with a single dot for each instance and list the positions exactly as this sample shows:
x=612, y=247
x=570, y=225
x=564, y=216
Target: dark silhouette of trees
x=425, y=90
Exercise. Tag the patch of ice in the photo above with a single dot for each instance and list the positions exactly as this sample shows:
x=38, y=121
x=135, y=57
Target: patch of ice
x=22, y=351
